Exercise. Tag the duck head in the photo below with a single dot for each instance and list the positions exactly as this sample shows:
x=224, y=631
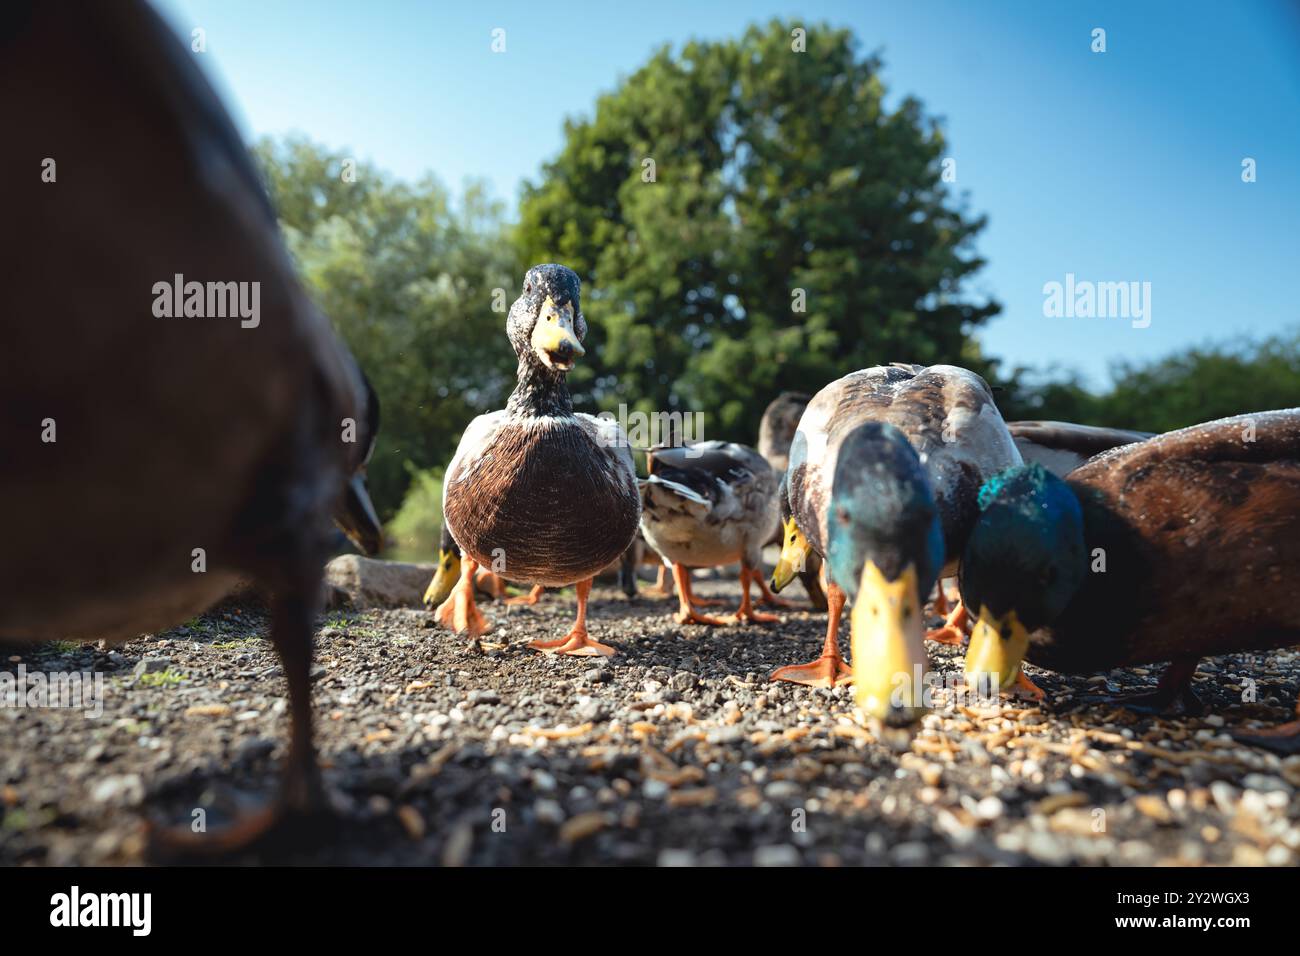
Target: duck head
x=546, y=326
x=448, y=572
x=885, y=550
x=1023, y=563
x=355, y=514
x=795, y=549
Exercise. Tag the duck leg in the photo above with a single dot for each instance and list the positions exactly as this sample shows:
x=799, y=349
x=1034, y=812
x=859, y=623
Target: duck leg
x=940, y=599
x=531, y=598
x=1173, y=694
x=490, y=583
x=300, y=816
x=459, y=612
x=663, y=587
x=1024, y=687
x=686, y=603
x=811, y=578
x=954, y=626
x=829, y=669
x=746, y=612
x=577, y=642
x=766, y=597
x=1282, y=739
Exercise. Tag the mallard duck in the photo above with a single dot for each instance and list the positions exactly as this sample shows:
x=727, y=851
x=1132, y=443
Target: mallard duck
x=447, y=573
x=923, y=441
x=541, y=494
x=777, y=427
x=180, y=454
x=709, y=504
x=775, y=433
x=636, y=556
x=1060, y=447
x=1184, y=546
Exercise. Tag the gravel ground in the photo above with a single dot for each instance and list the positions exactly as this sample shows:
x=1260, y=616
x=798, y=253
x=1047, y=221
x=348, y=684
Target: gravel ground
x=676, y=751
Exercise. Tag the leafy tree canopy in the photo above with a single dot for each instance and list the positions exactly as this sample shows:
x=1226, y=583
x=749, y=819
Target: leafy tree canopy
x=408, y=279
x=779, y=181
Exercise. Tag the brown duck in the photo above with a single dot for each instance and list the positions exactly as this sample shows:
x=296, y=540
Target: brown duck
x=540, y=494
x=150, y=462
x=1181, y=547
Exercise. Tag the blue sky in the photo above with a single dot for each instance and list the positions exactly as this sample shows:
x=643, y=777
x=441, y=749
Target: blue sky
x=1115, y=166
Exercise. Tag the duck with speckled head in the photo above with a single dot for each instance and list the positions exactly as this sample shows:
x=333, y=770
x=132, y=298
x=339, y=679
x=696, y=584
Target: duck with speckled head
x=537, y=492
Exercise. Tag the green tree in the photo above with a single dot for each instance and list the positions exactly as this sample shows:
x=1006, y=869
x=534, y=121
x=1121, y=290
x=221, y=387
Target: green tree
x=1195, y=385
x=407, y=277
x=721, y=188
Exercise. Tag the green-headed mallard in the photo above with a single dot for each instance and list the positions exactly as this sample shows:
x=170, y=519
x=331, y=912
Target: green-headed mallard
x=709, y=504
x=155, y=458
x=537, y=492
x=923, y=442
x=1178, y=548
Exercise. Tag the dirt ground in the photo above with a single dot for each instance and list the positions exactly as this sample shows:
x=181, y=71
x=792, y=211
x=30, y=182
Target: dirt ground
x=677, y=751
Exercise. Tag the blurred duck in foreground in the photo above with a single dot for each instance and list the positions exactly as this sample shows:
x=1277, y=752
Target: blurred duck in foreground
x=1184, y=546
x=547, y=494
x=710, y=504
x=171, y=455
x=775, y=434
x=884, y=472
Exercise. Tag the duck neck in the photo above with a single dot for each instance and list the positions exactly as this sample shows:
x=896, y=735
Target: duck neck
x=540, y=392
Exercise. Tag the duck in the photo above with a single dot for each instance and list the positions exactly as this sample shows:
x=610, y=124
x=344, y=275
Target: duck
x=776, y=430
x=935, y=436
x=541, y=494
x=1061, y=447
x=638, y=555
x=447, y=573
x=707, y=504
x=1183, y=546
x=179, y=456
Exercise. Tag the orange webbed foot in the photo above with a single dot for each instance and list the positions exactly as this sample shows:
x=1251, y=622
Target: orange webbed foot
x=829, y=670
x=1024, y=687
x=691, y=616
x=459, y=612
x=747, y=615
x=577, y=643
x=529, y=599
x=953, y=632
x=1282, y=739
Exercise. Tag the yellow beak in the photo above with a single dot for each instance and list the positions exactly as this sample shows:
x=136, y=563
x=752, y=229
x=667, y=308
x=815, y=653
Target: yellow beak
x=444, y=579
x=889, y=659
x=794, y=555
x=553, y=337
x=997, y=648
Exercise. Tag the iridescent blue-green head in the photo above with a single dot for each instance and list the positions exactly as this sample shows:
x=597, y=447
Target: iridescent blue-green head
x=1024, y=562
x=885, y=550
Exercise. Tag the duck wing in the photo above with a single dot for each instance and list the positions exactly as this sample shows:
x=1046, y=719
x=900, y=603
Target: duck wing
x=1060, y=447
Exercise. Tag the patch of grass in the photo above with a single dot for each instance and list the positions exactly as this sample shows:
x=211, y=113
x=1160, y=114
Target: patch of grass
x=63, y=647
x=238, y=643
x=18, y=820
x=168, y=678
